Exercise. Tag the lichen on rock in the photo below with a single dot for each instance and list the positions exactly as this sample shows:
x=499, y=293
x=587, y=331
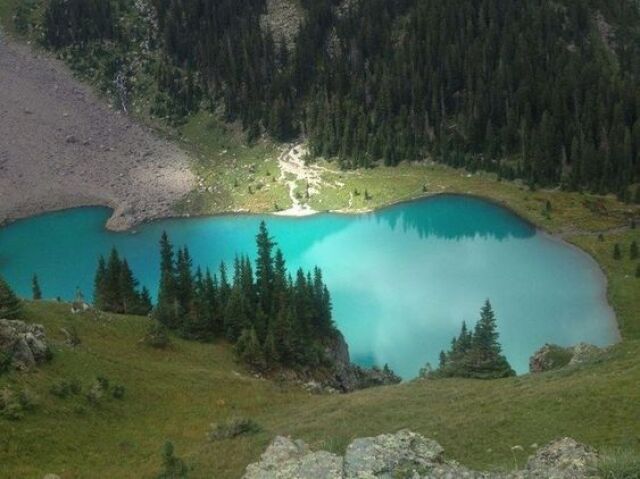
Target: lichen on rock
x=25, y=344
x=409, y=455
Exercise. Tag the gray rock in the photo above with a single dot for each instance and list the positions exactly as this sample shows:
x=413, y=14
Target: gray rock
x=562, y=459
x=552, y=356
x=384, y=455
x=349, y=377
x=410, y=455
x=26, y=344
x=51, y=476
x=287, y=459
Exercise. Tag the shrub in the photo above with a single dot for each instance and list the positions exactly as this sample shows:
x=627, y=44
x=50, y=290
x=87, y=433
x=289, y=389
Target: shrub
x=619, y=464
x=157, y=336
x=233, y=428
x=103, y=382
x=28, y=401
x=13, y=411
x=173, y=467
x=61, y=389
x=118, y=391
x=95, y=394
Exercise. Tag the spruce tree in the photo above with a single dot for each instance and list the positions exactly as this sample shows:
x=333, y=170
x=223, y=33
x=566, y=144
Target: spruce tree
x=248, y=349
x=99, y=285
x=486, y=360
x=35, y=288
x=10, y=305
x=633, y=250
x=617, y=253
x=265, y=268
x=167, y=309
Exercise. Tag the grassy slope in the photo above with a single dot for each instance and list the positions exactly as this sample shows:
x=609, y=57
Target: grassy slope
x=177, y=394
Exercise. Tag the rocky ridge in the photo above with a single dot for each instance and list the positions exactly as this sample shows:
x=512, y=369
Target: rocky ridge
x=410, y=455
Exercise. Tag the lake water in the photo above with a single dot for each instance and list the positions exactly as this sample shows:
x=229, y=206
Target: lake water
x=402, y=279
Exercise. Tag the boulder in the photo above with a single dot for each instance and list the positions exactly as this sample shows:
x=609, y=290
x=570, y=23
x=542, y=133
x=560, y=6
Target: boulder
x=552, y=356
x=562, y=459
x=287, y=459
x=410, y=455
x=388, y=453
x=26, y=344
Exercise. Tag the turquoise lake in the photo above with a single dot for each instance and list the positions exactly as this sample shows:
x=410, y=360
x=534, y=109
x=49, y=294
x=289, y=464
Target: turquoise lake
x=402, y=279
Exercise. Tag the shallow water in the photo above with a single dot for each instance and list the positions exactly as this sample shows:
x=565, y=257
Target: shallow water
x=402, y=279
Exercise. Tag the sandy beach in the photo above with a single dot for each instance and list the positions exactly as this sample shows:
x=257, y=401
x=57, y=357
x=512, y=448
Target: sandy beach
x=62, y=146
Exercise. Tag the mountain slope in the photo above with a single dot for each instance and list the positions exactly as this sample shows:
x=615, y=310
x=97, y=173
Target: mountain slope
x=176, y=394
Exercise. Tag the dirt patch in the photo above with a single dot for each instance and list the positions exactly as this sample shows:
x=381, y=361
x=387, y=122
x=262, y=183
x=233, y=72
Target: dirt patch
x=63, y=147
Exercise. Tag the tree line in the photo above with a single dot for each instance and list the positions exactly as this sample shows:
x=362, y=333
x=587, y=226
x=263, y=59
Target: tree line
x=548, y=92
x=273, y=318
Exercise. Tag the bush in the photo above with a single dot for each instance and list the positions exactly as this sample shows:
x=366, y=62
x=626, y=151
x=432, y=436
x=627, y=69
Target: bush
x=619, y=464
x=64, y=389
x=173, y=467
x=157, y=336
x=118, y=391
x=95, y=394
x=28, y=401
x=233, y=428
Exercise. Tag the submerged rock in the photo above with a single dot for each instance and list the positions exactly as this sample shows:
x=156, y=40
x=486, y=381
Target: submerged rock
x=409, y=455
x=552, y=356
x=25, y=344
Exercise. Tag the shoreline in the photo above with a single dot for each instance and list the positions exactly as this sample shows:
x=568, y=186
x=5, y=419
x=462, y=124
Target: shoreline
x=297, y=214
x=65, y=146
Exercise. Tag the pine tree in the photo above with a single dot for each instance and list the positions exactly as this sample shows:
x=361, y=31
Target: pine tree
x=35, y=288
x=617, y=253
x=168, y=309
x=10, y=305
x=633, y=250
x=248, y=349
x=99, y=285
x=486, y=360
x=265, y=269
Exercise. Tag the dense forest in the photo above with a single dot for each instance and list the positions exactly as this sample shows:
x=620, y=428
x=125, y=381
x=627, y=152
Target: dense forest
x=272, y=318
x=544, y=91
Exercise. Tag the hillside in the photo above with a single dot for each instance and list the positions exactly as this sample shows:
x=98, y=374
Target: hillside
x=544, y=92
x=175, y=395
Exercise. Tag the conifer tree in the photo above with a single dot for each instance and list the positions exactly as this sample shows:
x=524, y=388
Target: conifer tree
x=168, y=309
x=265, y=269
x=10, y=305
x=633, y=250
x=617, y=253
x=35, y=288
x=248, y=349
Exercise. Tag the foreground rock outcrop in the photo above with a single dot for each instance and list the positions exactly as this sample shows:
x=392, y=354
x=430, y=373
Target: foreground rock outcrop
x=552, y=356
x=409, y=455
x=24, y=344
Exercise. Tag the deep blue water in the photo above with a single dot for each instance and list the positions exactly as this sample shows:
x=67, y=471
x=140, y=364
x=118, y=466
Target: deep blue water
x=402, y=279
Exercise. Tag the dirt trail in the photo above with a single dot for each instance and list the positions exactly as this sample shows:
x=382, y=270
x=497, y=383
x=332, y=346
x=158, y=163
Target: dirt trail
x=61, y=146
x=293, y=171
